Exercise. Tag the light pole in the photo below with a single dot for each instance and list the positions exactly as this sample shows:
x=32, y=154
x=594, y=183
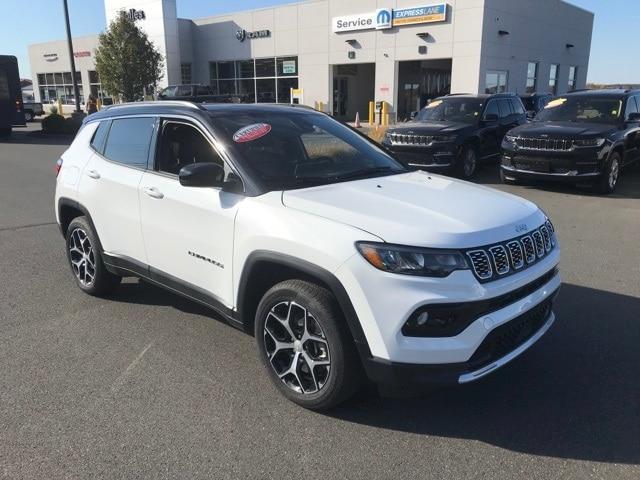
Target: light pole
x=76, y=90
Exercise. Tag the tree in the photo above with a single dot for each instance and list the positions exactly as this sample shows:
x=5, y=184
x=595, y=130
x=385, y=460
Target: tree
x=126, y=61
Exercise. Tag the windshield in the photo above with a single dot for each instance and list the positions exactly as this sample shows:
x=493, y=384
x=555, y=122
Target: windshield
x=581, y=109
x=287, y=149
x=462, y=110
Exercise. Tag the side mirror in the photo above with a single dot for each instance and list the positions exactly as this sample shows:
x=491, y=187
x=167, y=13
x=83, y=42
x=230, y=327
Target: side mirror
x=634, y=117
x=413, y=115
x=530, y=114
x=491, y=118
x=207, y=174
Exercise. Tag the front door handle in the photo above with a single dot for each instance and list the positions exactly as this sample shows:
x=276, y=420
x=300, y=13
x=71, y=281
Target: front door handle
x=153, y=192
x=93, y=174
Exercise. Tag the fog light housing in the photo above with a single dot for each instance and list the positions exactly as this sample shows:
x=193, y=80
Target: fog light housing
x=431, y=322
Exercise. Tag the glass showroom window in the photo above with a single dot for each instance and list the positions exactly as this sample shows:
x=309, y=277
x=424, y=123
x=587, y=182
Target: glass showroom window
x=553, y=78
x=262, y=80
x=495, y=81
x=185, y=73
x=95, y=85
x=54, y=86
x=573, y=73
x=532, y=76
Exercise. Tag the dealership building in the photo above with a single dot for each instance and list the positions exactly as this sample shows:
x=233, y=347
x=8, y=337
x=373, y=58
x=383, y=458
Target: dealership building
x=340, y=54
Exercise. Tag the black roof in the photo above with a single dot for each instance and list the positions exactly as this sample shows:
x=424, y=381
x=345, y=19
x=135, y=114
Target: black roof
x=605, y=92
x=175, y=107
x=479, y=95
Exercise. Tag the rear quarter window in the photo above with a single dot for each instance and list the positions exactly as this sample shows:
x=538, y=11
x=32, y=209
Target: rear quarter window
x=100, y=135
x=129, y=140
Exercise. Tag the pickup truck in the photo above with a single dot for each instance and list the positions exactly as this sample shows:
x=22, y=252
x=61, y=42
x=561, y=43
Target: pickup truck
x=32, y=110
x=199, y=94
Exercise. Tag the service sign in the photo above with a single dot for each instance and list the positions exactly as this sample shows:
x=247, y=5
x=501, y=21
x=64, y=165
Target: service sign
x=384, y=18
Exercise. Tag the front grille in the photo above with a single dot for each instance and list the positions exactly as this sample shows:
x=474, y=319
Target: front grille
x=407, y=139
x=546, y=144
x=507, y=337
x=505, y=258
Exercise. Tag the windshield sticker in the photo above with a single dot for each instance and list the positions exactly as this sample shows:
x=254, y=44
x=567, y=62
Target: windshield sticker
x=251, y=132
x=435, y=103
x=556, y=103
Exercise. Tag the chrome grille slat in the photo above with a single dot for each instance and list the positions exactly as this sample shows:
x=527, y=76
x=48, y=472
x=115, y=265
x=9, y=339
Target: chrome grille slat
x=516, y=254
x=500, y=259
x=539, y=243
x=546, y=144
x=481, y=264
x=406, y=139
x=504, y=258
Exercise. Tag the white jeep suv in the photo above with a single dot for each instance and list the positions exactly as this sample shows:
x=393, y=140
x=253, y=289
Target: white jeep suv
x=301, y=230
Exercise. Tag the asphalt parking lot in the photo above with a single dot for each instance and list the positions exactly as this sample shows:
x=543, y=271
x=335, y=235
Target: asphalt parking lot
x=147, y=385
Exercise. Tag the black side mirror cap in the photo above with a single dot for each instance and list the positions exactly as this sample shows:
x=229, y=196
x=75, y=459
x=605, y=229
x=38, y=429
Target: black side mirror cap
x=530, y=114
x=207, y=174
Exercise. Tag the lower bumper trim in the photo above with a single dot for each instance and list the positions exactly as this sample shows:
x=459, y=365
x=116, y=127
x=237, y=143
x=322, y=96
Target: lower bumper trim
x=472, y=376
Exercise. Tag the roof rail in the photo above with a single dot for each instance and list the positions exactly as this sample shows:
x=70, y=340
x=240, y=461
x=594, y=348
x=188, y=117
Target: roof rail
x=168, y=103
x=454, y=94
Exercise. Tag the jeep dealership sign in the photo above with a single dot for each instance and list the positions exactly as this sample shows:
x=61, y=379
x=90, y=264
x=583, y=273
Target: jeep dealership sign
x=384, y=18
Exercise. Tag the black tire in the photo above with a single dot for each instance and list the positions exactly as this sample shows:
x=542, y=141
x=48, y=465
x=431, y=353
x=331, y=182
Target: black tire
x=84, y=253
x=507, y=181
x=467, y=162
x=610, y=175
x=28, y=116
x=329, y=385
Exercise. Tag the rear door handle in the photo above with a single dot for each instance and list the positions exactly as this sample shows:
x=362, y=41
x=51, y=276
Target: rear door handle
x=153, y=192
x=93, y=174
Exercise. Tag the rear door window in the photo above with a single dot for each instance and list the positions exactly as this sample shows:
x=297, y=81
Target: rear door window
x=183, y=91
x=129, y=140
x=505, y=107
x=492, y=109
x=517, y=107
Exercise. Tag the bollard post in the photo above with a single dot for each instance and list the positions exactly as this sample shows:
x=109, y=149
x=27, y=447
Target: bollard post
x=60, y=112
x=372, y=113
x=385, y=113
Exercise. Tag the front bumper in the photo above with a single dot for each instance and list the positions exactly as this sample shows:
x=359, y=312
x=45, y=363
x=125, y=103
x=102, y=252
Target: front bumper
x=384, y=302
x=567, y=177
x=439, y=157
x=495, y=352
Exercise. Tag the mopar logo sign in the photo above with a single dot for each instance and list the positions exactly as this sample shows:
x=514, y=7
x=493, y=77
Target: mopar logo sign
x=384, y=18
x=242, y=34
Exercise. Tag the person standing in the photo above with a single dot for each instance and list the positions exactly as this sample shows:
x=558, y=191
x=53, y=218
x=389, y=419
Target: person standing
x=91, y=106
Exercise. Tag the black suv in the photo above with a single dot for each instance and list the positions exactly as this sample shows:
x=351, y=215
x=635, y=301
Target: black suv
x=454, y=133
x=586, y=136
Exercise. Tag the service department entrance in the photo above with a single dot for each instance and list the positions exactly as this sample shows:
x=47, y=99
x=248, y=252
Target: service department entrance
x=353, y=89
x=419, y=81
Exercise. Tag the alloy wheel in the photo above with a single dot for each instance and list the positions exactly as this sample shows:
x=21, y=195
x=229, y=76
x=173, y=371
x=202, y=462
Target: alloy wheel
x=469, y=163
x=614, y=171
x=297, y=348
x=82, y=257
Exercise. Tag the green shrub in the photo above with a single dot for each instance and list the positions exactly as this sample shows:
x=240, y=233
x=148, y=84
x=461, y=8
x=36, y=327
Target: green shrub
x=53, y=123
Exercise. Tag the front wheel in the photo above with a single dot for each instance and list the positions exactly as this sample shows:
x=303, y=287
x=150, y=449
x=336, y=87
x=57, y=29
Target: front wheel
x=305, y=345
x=610, y=174
x=467, y=162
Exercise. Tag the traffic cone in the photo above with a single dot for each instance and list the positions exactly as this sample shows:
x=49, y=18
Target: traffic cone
x=357, y=122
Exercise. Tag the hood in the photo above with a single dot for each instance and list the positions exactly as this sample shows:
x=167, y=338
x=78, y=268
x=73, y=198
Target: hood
x=420, y=209
x=562, y=129
x=429, y=128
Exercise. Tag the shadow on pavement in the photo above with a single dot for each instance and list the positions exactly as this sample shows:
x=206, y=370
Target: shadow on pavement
x=574, y=395
x=32, y=135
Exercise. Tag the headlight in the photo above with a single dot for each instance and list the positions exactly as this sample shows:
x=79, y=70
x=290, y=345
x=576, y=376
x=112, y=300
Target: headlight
x=412, y=261
x=510, y=138
x=444, y=138
x=589, y=142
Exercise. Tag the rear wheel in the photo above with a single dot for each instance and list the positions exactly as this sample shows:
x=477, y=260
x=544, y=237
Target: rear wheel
x=305, y=345
x=610, y=175
x=85, y=259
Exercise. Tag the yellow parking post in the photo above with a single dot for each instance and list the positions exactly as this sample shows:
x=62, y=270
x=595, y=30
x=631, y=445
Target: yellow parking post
x=385, y=113
x=60, y=112
x=98, y=104
x=372, y=112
